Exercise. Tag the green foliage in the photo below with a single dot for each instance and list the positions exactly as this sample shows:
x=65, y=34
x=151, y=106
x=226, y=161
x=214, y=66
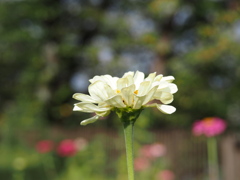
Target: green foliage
x=49, y=49
x=44, y=44
x=101, y=158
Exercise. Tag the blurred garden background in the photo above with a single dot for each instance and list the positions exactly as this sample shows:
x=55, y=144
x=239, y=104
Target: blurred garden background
x=48, y=51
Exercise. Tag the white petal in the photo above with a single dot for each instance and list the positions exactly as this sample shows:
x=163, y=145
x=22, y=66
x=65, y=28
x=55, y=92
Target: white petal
x=138, y=78
x=88, y=107
x=130, y=73
x=168, y=87
x=103, y=114
x=96, y=78
x=100, y=91
x=165, y=97
x=102, y=104
x=116, y=101
x=144, y=88
x=76, y=108
x=164, y=85
x=165, y=89
x=111, y=81
x=138, y=101
x=149, y=95
x=122, y=83
x=168, y=78
x=151, y=77
x=157, y=80
x=90, y=120
x=129, y=78
x=173, y=88
x=166, y=108
x=158, y=77
x=127, y=94
x=83, y=97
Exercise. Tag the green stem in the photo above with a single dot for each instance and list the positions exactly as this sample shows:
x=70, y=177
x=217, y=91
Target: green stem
x=213, y=158
x=128, y=116
x=128, y=133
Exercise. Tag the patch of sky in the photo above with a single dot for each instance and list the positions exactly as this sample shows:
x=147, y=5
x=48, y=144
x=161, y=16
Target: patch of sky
x=72, y=6
x=139, y=24
x=105, y=55
x=218, y=82
x=33, y=29
x=139, y=60
x=100, y=41
x=182, y=15
x=79, y=82
x=184, y=43
x=236, y=30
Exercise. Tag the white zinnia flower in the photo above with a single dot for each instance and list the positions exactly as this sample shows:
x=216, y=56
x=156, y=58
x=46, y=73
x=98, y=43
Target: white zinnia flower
x=132, y=91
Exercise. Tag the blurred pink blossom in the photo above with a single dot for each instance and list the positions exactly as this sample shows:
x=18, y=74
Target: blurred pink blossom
x=165, y=175
x=153, y=150
x=141, y=164
x=67, y=148
x=210, y=126
x=44, y=146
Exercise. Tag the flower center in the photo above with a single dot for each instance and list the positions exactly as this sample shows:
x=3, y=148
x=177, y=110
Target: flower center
x=118, y=91
x=136, y=92
x=208, y=121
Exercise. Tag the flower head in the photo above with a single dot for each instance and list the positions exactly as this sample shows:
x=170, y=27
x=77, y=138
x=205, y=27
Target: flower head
x=44, y=146
x=67, y=147
x=153, y=151
x=210, y=126
x=165, y=175
x=131, y=92
x=141, y=163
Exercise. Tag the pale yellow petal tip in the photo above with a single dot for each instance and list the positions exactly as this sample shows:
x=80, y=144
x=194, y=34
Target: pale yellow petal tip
x=168, y=78
x=74, y=95
x=166, y=109
x=172, y=111
x=90, y=120
x=76, y=108
x=83, y=123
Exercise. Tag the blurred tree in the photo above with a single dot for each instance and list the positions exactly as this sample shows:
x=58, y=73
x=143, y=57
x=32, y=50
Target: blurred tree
x=49, y=49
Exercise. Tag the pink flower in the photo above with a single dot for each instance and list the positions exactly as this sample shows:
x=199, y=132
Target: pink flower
x=210, y=126
x=44, y=146
x=141, y=164
x=153, y=151
x=165, y=175
x=67, y=148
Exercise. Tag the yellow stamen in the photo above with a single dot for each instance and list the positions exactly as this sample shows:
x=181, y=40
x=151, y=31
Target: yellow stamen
x=208, y=121
x=136, y=92
x=118, y=91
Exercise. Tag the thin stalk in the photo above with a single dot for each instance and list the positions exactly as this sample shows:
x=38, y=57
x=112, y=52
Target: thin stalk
x=128, y=116
x=213, y=158
x=128, y=134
